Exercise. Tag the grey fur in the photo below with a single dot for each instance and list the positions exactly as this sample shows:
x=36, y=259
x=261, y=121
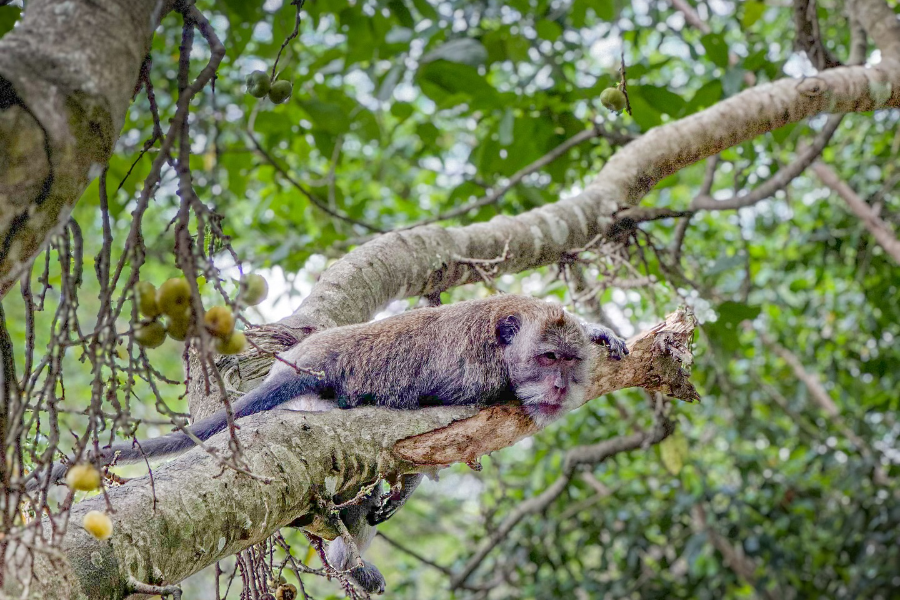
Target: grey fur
x=477, y=352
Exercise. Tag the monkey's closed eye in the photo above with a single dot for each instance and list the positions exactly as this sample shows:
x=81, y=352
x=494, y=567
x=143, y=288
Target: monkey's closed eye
x=547, y=358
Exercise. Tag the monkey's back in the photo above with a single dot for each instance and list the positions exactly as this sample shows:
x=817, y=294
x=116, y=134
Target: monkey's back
x=439, y=355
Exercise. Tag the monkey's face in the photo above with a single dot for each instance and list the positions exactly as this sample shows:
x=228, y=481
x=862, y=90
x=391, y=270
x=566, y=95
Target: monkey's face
x=548, y=367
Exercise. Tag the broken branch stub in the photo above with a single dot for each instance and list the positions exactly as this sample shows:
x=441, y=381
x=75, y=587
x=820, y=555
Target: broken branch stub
x=659, y=360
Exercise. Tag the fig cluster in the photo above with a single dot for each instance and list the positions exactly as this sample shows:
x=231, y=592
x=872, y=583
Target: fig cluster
x=259, y=85
x=173, y=302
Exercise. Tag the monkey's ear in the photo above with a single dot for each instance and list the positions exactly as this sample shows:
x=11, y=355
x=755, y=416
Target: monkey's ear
x=507, y=329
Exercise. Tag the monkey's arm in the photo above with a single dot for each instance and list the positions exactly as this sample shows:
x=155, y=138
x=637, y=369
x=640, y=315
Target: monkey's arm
x=598, y=334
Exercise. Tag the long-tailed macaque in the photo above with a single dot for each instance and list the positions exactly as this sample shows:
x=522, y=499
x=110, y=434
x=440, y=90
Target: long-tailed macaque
x=478, y=352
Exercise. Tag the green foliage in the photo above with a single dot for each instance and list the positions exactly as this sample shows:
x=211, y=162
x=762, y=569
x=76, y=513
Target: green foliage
x=9, y=15
x=405, y=109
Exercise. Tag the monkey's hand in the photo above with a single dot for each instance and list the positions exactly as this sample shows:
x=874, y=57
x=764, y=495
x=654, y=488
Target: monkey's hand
x=599, y=334
x=395, y=499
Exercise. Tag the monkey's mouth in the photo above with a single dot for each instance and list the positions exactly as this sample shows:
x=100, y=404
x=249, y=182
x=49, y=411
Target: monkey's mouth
x=547, y=409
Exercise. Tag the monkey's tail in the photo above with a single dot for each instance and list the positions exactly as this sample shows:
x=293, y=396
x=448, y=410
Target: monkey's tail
x=266, y=396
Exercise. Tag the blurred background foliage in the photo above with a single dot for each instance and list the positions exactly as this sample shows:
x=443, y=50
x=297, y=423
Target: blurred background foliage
x=403, y=110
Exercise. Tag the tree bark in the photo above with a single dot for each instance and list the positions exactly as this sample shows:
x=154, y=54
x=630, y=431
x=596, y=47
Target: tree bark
x=67, y=75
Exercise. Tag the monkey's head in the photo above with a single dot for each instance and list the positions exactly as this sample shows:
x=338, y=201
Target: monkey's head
x=547, y=361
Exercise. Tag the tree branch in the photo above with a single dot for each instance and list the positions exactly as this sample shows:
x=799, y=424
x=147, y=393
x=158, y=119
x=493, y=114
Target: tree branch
x=876, y=226
x=420, y=261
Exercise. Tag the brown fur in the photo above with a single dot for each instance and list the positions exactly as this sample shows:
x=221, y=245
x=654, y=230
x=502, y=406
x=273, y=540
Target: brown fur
x=442, y=355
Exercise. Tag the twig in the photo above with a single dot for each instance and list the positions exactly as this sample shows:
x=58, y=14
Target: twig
x=299, y=4
x=574, y=460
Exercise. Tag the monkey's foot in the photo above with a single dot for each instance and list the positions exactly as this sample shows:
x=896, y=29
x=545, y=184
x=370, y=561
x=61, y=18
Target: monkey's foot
x=368, y=577
x=601, y=335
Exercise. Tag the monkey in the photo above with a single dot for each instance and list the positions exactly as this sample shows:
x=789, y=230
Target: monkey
x=474, y=353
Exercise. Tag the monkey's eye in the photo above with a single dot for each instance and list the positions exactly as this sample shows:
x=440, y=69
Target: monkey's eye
x=547, y=359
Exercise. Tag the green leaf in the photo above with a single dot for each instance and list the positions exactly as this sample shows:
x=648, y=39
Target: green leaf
x=707, y=95
x=465, y=51
x=735, y=312
x=644, y=114
x=428, y=133
x=8, y=17
x=716, y=49
x=506, y=127
x=425, y=9
x=756, y=60
x=548, y=30
x=753, y=10
x=662, y=99
x=242, y=16
x=604, y=9
x=673, y=451
x=449, y=84
x=401, y=13
x=402, y=110
x=329, y=117
x=390, y=81
x=781, y=134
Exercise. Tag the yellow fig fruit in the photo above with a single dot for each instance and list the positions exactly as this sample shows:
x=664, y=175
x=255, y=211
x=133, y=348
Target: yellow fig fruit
x=151, y=335
x=233, y=344
x=219, y=321
x=83, y=477
x=255, y=289
x=145, y=293
x=98, y=524
x=174, y=296
x=177, y=328
x=613, y=99
x=286, y=591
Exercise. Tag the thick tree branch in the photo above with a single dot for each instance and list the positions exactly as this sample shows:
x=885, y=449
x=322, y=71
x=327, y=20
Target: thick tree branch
x=880, y=22
x=67, y=75
x=422, y=261
x=427, y=260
